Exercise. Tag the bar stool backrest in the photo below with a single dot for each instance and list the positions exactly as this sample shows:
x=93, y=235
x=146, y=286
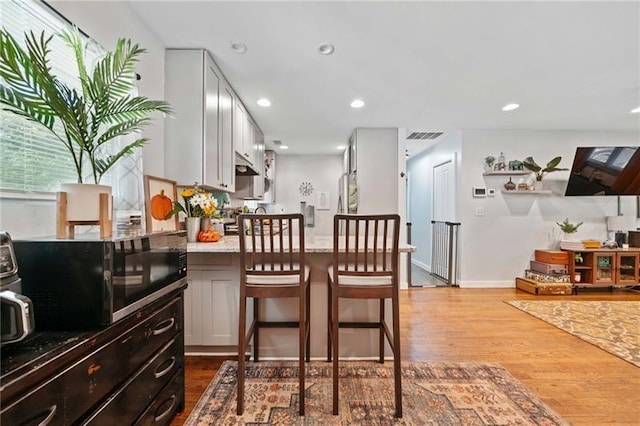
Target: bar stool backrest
x=270, y=247
x=367, y=248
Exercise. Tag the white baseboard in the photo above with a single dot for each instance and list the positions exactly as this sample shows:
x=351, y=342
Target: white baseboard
x=421, y=265
x=487, y=284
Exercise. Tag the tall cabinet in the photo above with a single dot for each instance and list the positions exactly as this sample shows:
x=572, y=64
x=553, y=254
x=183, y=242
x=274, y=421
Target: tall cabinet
x=199, y=135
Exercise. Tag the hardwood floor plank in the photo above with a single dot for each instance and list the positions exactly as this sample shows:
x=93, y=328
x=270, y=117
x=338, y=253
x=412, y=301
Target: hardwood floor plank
x=584, y=384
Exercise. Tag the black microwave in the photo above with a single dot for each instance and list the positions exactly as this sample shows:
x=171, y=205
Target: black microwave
x=88, y=283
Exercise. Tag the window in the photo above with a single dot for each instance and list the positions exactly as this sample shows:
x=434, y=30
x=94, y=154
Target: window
x=615, y=158
x=31, y=159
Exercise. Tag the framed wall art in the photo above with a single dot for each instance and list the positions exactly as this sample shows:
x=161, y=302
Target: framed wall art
x=159, y=196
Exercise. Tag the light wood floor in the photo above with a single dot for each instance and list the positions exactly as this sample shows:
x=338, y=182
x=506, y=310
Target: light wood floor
x=584, y=384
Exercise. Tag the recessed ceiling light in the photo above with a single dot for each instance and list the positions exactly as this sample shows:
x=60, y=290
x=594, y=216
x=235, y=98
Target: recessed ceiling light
x=357, y=103
x=264, y=102
x=283, y=147
x=339, y=147
x=510, y=107
x=238, y=47
x=635, y=110
x=326, y=49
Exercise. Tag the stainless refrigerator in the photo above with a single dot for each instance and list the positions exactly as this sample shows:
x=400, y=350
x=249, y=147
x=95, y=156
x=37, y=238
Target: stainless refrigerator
x=348, y=193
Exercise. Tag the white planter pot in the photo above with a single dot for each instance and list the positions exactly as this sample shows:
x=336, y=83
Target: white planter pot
x=83, y=201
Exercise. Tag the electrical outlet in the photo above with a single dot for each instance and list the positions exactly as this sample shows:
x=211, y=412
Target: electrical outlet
x=479, y=211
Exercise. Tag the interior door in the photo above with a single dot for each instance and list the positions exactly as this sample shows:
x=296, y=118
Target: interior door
x=443, y=211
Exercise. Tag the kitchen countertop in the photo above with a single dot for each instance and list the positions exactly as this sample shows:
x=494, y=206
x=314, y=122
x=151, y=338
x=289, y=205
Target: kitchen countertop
x=315, y=244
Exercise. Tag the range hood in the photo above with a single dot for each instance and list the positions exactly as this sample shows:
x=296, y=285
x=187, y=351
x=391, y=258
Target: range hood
x=243, y=167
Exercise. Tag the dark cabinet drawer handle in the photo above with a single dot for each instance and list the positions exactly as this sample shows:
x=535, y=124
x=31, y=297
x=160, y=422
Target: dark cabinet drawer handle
x=161, y=328
x=52, y=412
x=167, y=412
x=158, y=374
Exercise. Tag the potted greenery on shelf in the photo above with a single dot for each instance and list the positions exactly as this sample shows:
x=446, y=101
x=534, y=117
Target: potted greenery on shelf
x=568, y=228
x=552, y=166
x=86, y=120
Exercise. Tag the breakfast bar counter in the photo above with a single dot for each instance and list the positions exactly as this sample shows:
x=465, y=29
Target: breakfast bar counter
x=212, y=302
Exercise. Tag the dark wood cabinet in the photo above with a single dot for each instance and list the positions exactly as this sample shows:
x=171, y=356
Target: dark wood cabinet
x=112, y=376
x=604, y=267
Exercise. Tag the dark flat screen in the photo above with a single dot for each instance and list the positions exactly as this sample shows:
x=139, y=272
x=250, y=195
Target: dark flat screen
x=607, y=170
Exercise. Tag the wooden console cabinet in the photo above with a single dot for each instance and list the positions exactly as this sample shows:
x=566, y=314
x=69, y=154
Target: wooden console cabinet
x=131, y=372
x=605, y=267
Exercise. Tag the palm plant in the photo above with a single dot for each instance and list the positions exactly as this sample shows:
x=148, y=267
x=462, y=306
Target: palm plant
x=103, y=110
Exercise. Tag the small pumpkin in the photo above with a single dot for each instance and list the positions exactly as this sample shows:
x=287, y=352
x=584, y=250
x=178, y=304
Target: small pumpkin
x=161, y=206
x=209, y=236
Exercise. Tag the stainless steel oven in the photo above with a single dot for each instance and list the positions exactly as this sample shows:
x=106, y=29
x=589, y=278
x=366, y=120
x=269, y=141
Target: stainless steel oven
x=87, y=283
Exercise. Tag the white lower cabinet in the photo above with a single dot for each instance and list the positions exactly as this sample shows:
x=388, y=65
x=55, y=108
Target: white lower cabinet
x=211, y=306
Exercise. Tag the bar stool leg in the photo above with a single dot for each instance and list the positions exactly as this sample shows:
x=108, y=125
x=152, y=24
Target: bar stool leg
x=307, y=324
x=334, y=331
x=256, y=329
x=381, y=332
x=397, y=372
x=242, y=330
x=329, y=319
x=302, y=321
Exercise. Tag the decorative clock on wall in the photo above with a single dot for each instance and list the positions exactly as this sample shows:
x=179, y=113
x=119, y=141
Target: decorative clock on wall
x=306, y=188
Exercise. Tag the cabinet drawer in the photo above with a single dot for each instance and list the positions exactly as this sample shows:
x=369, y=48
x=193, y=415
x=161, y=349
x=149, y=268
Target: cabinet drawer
x=96, y=375
x=126, y=405
x=44, y=405
x=166, y=404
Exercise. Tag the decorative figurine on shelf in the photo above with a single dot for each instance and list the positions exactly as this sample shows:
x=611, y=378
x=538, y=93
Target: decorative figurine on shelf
x=501, y=164
x=489, y=161
x=516, y=165
x=510, y=186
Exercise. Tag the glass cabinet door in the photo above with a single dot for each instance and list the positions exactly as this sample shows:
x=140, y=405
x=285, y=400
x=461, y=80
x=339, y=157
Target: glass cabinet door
x=604, y=268
x=627, y=268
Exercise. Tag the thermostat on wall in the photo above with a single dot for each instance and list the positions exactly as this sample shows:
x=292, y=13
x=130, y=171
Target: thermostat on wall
x=479, y=192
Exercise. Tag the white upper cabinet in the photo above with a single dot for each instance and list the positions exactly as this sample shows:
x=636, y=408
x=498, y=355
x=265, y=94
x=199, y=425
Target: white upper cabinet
x=242, y=132
x=198, y=138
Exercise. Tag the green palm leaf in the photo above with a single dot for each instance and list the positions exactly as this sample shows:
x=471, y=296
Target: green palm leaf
x=104, y=109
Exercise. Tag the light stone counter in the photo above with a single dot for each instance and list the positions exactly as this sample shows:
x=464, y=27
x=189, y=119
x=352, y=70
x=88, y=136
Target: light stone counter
x=231, y=244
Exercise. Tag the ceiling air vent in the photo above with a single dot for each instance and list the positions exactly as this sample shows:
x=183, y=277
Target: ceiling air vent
x=424, y=135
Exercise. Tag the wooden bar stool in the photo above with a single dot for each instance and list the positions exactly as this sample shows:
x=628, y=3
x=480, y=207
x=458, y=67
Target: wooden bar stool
x=272, y=265
x=365, y=266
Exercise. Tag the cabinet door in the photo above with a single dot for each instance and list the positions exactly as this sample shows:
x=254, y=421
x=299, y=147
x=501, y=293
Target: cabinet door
x=627, y=264
x=604, y=267
x=193, y=309
x=220, y=300
x=258, y=185
x=212, y=146
x=240, y=130
x=226, y=137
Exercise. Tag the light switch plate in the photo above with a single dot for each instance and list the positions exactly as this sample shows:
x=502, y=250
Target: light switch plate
x=479, y=192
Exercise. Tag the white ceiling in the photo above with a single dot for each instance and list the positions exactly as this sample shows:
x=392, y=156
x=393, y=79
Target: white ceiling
x=424, y=66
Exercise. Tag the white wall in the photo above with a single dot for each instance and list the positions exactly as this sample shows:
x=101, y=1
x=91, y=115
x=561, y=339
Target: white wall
x=322, y=171
x=105, y=21
x=420, y=168
x=497, y=247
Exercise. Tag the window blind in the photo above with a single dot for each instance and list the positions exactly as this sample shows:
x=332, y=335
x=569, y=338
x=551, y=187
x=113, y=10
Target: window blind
x=31, y=159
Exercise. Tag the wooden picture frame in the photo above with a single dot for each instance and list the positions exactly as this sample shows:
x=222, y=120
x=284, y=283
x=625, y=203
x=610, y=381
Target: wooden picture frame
x=153, y=186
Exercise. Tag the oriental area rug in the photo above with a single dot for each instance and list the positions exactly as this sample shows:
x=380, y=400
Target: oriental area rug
x=612, y=326
x=434, y=393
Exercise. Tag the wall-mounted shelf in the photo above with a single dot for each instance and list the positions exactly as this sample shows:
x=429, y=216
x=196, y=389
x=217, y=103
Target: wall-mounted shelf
x=507, y=173
x=536, y=191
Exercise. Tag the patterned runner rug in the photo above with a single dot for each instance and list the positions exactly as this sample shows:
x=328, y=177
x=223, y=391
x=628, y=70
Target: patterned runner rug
x=612, y=326
x=434, y=393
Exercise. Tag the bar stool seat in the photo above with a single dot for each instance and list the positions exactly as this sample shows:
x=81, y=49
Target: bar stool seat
x=272, y=265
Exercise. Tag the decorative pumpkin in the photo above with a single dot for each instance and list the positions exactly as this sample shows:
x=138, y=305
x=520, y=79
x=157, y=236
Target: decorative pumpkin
x=209, y=236
x=161, y=205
